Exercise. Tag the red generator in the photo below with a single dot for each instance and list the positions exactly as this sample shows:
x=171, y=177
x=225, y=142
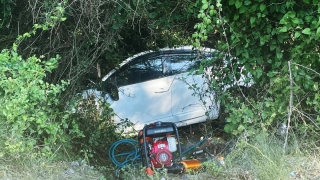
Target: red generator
x=159, y=146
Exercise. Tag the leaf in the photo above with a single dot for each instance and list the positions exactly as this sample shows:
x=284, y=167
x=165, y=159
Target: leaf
x=296, y=21
x=297, y=34
x=236, y=17
x=308, y=19
x=241, y=128
x=258, y=72
x=195, y=35
x=252, y=20
x=243, y=9
x=212, y=12
x=231, y=2
x=283, y=20
x=318, y=31
x=264, y=115
x=302, y=73
x=152, y=15
x=205, y=6
x=238, y=4
x=14, y=47
x=306, y=31
x=291, y=14
x=115, y=26
x=278, y=53
x=262, y=7
x=45, y=27
x=273, y=46
x=272, y=73
x=283, y=29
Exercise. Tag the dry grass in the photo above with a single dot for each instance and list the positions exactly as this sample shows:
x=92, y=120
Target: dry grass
x=40, y=167
x=260, y=158
x=263, y=158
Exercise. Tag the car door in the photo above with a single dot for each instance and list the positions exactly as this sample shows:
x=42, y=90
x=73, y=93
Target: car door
x=186, y=88
x=144, y=94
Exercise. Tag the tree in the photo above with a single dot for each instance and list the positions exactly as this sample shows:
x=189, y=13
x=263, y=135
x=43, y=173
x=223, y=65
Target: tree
x=264, y=36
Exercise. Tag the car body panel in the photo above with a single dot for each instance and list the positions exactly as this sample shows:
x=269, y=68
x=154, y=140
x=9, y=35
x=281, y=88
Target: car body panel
x=189, y=106
x=145, y=102
x=160, y=86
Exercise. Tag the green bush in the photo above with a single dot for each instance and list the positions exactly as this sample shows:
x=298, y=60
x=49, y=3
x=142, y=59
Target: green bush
x=298, y=93
x=29, y=104
x=93, y=118
x=32, y=115
x=278, y=46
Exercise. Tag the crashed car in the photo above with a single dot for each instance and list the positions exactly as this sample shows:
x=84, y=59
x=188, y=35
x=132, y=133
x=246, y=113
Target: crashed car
x=160, y=86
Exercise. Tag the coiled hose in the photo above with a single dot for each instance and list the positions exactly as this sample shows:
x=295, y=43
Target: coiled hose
x=131, y=156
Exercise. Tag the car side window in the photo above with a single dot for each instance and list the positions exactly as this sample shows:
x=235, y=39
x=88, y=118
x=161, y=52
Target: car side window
x=139, y=70
x=181, y=63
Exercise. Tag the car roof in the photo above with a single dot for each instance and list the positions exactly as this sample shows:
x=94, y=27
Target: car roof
x=180, y=49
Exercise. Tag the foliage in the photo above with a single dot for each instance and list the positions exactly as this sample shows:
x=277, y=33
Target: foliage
x=97, y=127
x=33, y=115
x=91, y=37
x=28, y=103
x=264, y=36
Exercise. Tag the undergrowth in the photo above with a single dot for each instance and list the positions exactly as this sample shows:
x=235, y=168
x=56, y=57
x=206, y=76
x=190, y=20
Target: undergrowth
x=46, y=166
x=261, y=157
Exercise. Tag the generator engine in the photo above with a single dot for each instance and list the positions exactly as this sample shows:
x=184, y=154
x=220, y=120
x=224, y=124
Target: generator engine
x=161, y=151
x=157, y=146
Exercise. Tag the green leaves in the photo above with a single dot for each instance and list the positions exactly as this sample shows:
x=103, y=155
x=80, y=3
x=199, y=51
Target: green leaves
x=238, y=3
x=152, y=15
x=306, y=31
x=252, y=20
x=297, y=34
x=29, y=101
x=318, y=31
x=283, y=29
x=205, y=6
x=264, y=36
x=262, y=7
x=204, y=27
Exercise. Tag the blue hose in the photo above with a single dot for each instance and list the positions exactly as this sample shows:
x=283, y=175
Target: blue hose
x=194, y=146
x=131, y=157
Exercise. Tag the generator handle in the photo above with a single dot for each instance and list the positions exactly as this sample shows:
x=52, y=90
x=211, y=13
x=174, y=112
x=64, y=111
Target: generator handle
x=144, y=131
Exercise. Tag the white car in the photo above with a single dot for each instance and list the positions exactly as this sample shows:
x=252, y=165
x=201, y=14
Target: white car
x=158, y=86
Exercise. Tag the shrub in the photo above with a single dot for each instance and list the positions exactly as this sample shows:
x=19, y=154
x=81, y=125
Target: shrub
x=28, y=103
x=93, y=118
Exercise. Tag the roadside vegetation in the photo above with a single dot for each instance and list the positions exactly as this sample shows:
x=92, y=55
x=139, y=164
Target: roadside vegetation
x=52, y=50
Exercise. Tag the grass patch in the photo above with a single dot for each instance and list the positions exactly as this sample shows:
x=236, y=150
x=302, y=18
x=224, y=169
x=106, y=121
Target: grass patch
x=262, y=157
x=36, y=165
